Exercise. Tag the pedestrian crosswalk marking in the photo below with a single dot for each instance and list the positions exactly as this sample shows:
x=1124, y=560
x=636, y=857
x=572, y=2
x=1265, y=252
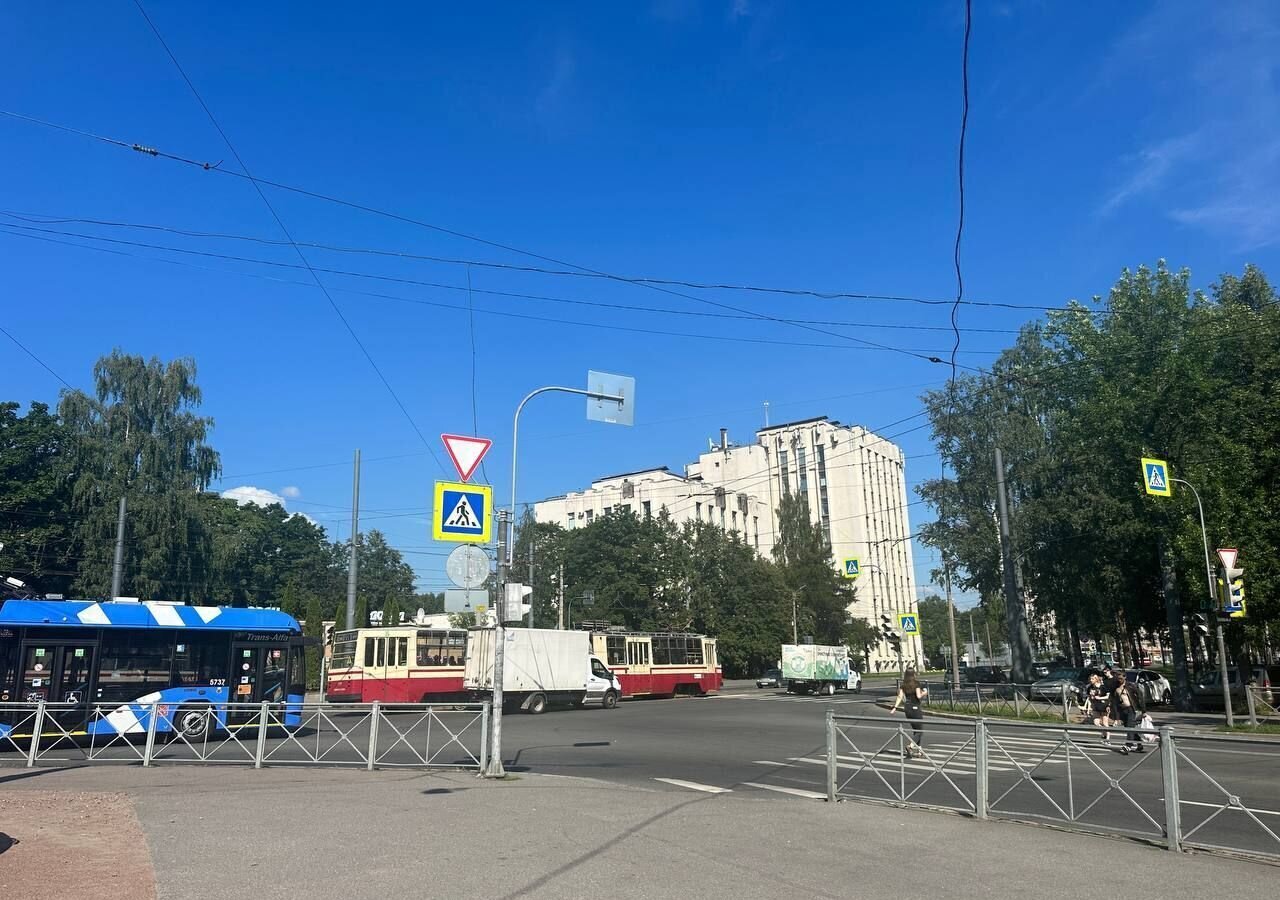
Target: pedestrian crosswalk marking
x=695, y=786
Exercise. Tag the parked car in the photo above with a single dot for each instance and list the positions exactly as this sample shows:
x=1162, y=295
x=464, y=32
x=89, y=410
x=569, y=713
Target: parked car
x=771, y=678
x=1040, y=670
x=1155, y=687
x=983, y=675
x=1207, y=689
x=1050, y=687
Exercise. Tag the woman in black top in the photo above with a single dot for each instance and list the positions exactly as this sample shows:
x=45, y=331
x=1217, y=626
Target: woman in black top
x=910, y=693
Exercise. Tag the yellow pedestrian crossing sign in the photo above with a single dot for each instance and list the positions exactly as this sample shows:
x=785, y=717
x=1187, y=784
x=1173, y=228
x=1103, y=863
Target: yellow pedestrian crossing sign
x=462, y=512
x=908, y=623
x=852, y=567
x=1155, y=476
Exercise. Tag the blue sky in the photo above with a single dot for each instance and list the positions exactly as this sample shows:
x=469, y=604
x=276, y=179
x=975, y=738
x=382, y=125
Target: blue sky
x=739, y=142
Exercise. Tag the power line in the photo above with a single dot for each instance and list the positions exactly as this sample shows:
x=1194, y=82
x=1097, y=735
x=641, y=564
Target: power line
x=487, y=312
x=285, y=231
x=259, y=182
x=27, y=350
x=404, y=255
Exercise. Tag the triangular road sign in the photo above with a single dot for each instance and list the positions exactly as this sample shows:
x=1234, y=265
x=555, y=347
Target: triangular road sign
x=466, y=452
x=1228, y=556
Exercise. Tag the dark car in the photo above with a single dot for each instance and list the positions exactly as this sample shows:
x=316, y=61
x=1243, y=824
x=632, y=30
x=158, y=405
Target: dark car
x=983, y=675
x=771, y=678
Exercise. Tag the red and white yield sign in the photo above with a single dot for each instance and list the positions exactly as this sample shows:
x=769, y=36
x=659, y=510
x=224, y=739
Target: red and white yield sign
x=1228, y=556
x=466, y=452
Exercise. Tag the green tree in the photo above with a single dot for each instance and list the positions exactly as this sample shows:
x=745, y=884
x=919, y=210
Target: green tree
x=808, y=569
x=391, y=612
x=861, y=637
x=314, y=628
x=35, y=525
x=383, y=575
x=138, y=436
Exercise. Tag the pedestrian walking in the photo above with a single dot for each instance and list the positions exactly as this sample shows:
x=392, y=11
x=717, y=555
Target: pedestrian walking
x=1128, y=701
x=1097, y=704
x=910, y=694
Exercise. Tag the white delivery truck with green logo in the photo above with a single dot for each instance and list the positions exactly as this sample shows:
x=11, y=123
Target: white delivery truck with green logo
x=818, y=669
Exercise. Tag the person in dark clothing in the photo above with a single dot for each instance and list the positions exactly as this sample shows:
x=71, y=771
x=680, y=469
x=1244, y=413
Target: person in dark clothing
x=910, y=693
x=1128, y=704
x=1111, y=681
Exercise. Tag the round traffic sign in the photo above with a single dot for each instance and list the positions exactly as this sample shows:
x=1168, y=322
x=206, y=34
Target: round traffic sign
x=467, y=566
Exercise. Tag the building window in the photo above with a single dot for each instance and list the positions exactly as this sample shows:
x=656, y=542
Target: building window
x=785, y=472
x=824, y=504
x=570, y=520
x=755, y=526
x=802, y=467
x=607, y=510
x=628, y=490
x=591, y=514
x=735, y=519
x=697, y=511
x=647, y=512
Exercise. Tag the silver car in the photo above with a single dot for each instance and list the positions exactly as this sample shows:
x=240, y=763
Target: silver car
x=1154, y=687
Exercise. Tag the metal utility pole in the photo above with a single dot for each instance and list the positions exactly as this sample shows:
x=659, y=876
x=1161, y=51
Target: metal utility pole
x=532, y=535
x=1213, y=606
x=495, y=769
x=951, y=623
x=117, y=570
x=1015, y=613
x=795, y=633
x=1173, y=616
x=354, y=561
x=560, y=600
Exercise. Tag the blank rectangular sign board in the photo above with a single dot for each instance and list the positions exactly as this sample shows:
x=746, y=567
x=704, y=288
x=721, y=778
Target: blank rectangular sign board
x=464, y=600
x=611, y=411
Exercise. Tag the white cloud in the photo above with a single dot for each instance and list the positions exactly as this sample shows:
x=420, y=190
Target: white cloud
x=290, y=491
x=255, y=495
x=1153, y=165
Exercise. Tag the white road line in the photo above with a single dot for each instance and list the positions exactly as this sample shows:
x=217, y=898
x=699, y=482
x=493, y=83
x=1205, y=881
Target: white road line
x=770, y=762
x=694, y=786
x=795, y=792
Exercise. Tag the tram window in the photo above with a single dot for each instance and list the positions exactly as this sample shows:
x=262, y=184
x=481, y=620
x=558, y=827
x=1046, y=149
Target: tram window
x=381, y=652
x=440, y=648
x=402, y=651
x=132, y=664
x=344, y=650
x=616, y=649
x=693, y=651
x=368, y=652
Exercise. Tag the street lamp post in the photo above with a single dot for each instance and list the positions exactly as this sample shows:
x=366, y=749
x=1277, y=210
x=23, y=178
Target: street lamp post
x=1208, y=574
x=624, y=399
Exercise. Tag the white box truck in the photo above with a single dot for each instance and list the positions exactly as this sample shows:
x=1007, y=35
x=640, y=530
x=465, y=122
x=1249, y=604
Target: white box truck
x=540, y=667
x=818, y=669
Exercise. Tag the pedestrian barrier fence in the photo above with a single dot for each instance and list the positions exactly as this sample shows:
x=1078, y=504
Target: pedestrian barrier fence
x=1017, y=701
x=368, y=735
x=1261, y=706
x=1185, y=791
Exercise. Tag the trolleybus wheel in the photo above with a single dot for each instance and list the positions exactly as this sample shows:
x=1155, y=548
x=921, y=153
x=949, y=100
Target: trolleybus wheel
x=192, y=722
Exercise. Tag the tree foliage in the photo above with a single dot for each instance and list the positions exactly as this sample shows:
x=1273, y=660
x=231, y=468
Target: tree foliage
x=1154, y=370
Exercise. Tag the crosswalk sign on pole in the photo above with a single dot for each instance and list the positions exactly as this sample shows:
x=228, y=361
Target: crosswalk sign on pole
x=1155, y=477
x=852, y=567
x=908, y=623
x=462, y=512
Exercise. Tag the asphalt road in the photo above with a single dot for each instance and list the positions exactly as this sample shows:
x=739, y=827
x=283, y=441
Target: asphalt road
x=748, y=743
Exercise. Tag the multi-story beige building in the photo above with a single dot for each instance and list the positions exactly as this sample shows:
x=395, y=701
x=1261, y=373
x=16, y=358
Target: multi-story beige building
x=853, y=481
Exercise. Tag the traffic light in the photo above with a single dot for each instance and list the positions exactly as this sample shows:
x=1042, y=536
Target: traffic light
x=1233, y=597
x=328, y=634
x=515, y=608
x=888, y=632
x=1200, y=625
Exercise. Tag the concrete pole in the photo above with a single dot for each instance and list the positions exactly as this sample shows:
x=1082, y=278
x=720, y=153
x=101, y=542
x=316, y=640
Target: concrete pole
x=496, y=769
x=117, y=569
x=532, y=534
x=951, y=623
x=560, y=600
x=354, y=560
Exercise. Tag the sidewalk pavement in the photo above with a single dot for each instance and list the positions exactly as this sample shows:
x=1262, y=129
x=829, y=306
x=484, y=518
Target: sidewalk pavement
x=319, y=833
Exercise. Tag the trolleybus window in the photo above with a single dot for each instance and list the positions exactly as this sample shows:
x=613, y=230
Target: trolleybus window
x=132, y=664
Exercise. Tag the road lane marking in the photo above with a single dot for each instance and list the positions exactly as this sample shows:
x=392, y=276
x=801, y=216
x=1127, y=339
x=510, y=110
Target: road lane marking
x=795, y=792
x=770, y=762
x=694, y=786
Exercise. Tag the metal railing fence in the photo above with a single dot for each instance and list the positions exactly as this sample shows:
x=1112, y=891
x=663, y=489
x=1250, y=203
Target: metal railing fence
x=368, y=735
x=1184, y=791
x=1006, y=700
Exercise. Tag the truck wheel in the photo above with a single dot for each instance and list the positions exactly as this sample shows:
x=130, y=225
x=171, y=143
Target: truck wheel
x=609, y=700
x=537, y=704
x=829, y=689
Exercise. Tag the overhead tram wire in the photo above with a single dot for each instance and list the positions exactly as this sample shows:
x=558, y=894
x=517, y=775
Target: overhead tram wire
x=487, y=312
x=404, y=255
x=260, y=182
x=285, y=231
x=628, y=307
x=27, y=350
